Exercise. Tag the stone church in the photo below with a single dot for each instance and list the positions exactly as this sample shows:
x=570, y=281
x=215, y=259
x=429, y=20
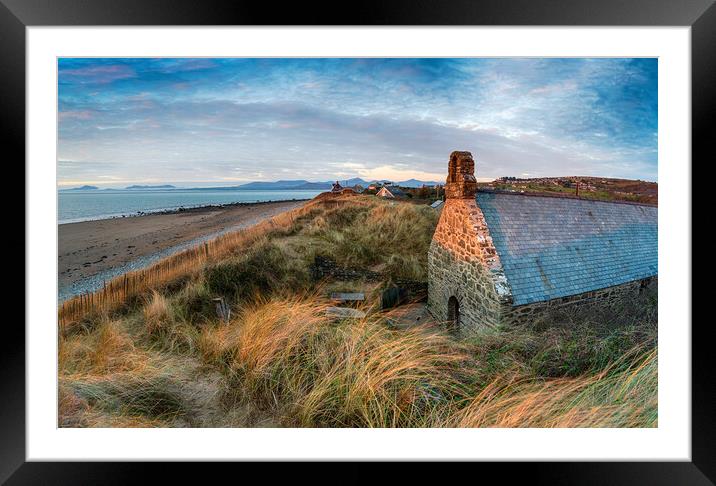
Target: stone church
x=504, y=258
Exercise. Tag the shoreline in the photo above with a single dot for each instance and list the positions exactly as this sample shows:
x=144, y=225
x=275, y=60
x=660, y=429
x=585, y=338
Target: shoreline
x=173, y=210
x=91, y=252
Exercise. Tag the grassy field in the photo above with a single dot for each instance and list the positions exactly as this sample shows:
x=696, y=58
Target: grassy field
x=155, y=354
x=597, y=188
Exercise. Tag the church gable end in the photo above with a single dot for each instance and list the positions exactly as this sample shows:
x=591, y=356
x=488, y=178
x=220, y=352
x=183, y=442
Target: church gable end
x=462, y=262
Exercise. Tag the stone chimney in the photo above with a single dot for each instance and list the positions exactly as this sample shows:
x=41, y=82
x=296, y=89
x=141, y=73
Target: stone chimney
x=461, y=182
x=467, y=287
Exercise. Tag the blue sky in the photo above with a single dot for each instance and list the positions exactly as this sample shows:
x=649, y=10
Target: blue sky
x=228, y=121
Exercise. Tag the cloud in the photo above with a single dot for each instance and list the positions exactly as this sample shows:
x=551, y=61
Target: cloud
x=75, y=115
x=96, y=74
x=218, y=119
x=399, y=174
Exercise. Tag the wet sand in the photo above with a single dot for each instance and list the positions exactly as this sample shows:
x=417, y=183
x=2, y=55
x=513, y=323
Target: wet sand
x=92, y=249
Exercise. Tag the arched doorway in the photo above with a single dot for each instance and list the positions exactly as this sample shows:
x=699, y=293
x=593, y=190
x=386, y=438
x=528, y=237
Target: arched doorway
x=453, y=322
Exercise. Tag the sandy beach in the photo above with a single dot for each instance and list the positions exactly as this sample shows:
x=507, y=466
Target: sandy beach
x=89, y=249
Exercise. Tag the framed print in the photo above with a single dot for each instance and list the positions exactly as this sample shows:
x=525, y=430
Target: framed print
x=427, y=232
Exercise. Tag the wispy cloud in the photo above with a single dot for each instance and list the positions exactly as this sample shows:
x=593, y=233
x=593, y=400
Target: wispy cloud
x=217, y=120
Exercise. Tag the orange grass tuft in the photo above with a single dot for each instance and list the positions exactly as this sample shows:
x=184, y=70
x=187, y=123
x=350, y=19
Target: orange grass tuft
x=610, y=398
x=107, y=349
x=337, y=373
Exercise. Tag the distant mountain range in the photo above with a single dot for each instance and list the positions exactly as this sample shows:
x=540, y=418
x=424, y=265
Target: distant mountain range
x=164, y=186
x=417, y=183
x=284, y=185
x=322, y=185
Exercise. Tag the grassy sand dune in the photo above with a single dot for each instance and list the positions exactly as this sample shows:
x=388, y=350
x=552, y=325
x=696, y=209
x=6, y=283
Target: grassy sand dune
x=156, y=354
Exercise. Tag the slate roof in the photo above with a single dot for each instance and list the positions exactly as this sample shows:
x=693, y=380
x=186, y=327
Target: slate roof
x=395, y=191
x=554, y=247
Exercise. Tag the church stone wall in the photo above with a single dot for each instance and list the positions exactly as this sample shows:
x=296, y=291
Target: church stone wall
x=469, y=283
x=547, y=311
x=462, y=261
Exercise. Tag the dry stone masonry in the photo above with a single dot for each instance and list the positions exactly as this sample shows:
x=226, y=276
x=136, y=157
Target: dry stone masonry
x=501, y=259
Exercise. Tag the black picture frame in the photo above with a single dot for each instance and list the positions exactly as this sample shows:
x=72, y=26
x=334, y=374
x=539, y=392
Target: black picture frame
x=700, y=15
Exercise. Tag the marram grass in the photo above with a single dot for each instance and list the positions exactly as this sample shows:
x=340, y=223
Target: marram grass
x=315, y=372
x=151, y=351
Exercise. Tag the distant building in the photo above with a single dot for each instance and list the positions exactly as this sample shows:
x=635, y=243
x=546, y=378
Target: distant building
x=510, y=258
x=337, y=187
x=391, y=192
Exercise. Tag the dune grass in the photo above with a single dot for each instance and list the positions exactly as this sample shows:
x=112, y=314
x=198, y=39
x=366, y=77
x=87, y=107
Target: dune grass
x=396, y=236
x=288, y=354
x=313, y=371
x=618, y=396
x=161, y=357
x=106, y=378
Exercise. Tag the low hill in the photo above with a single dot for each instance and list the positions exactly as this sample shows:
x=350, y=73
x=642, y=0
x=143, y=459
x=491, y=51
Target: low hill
x=82, y=188
x=602, y=188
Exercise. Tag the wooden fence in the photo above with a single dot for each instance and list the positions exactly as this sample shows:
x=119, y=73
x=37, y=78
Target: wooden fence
x=118, y=290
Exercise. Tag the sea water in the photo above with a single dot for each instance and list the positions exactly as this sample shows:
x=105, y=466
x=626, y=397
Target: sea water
x=99, y=204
